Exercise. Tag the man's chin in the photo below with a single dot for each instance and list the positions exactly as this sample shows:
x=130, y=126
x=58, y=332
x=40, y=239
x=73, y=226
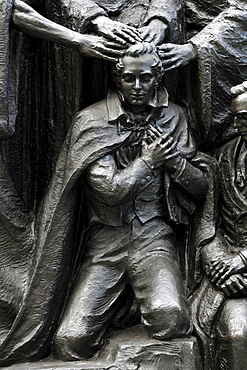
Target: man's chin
x=137, y=102
x=244, y=135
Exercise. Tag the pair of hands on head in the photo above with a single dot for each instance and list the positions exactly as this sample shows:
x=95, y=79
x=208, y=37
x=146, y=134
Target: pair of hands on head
x=113, y=37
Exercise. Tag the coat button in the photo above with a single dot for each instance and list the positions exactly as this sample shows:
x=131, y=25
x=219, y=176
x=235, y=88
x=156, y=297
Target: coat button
x=143, y=182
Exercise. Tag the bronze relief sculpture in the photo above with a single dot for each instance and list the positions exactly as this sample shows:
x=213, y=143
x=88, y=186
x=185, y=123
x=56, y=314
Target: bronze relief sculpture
x=124, y=192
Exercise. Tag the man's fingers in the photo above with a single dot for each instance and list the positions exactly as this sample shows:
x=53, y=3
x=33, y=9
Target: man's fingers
x=114, y=37
x=150, y=37
x=215, y=275
x=157, y=131
x=152, y=135
x=167, y=141
x=114, y=45
x=133, y=32
x=128, y=36
x=168, y=58
x=221, y=274
x=215, y=263
x=222, y=277
x=172, y=155
x=165, y=48
x=155, y=134
x=106, y=57
x=174, y=66
x=170, y=149
x=241, y=286
x=144, y=32
x=112, y=52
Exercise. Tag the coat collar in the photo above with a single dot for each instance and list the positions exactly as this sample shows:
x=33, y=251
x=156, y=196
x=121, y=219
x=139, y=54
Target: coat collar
x=116, y=110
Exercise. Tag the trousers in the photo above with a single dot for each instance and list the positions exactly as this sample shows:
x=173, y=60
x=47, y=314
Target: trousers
x=146, y=257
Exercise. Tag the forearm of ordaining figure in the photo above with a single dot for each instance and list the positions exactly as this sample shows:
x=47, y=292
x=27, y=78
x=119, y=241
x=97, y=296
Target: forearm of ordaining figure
x=27, y=20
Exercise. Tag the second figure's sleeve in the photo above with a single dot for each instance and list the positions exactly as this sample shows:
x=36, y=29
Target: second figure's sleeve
x=77, y=14
x=171, y=13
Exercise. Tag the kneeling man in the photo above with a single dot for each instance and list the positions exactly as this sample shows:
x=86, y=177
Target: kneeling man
x=141, y=178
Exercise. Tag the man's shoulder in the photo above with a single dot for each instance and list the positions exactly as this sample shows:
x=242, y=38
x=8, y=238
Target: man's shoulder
x=94, y=113
x=227, y=152
x=173, y=113
x=230, y=145
x=177, y=109
x=90, y=122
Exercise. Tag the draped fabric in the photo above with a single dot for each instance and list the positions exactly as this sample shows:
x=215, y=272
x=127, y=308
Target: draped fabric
x=221, y=44
x=16, y=223
x=9, y=51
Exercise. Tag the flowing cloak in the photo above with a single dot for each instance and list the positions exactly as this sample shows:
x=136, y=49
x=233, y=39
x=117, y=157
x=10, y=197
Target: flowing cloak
x=24, y=108
x=8, y=71
x=219, y=33
x=16, y=224
x=89, y=138
x=206, y=300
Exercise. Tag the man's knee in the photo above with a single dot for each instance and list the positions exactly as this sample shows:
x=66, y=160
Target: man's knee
x=167, y=321
x=71, y=345
x=232, y=323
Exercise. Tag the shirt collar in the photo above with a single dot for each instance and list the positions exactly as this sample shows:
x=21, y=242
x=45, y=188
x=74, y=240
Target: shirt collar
x=116, y=110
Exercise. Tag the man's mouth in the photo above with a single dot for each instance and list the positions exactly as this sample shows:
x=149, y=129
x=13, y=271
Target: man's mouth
x=137, y=96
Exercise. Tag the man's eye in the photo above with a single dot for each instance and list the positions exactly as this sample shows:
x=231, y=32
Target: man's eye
x=242, y=116
x=146, y=77
x=128, y=78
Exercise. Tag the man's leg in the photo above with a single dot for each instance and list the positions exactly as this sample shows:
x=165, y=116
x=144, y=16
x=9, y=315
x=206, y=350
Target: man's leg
x=94, y=298
x=232, y=335
x=157, y=282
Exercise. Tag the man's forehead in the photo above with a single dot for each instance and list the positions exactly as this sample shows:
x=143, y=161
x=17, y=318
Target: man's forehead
x=242, y=114
x=143, y=63
x=239, y=104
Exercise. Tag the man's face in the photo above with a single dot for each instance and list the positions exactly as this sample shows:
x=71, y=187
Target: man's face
x=137, y=80
x=240, y=122
x=239, y=108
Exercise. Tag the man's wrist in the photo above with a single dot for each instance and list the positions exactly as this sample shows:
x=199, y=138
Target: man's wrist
x=193, y=50
x=95, y=22
x=242, y=258
x=179, y=167
x=147, y=160
x=176, y=164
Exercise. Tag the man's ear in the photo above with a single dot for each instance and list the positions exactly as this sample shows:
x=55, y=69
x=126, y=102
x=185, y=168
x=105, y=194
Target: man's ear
x=156, y=84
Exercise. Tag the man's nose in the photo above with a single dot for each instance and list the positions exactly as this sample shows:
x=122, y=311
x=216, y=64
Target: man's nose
x=137, y=85
x=235, y=122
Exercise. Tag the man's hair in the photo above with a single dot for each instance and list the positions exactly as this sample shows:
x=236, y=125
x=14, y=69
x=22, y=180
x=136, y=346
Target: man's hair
x=239, y=101
x=136, y=50
x=239, y=89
